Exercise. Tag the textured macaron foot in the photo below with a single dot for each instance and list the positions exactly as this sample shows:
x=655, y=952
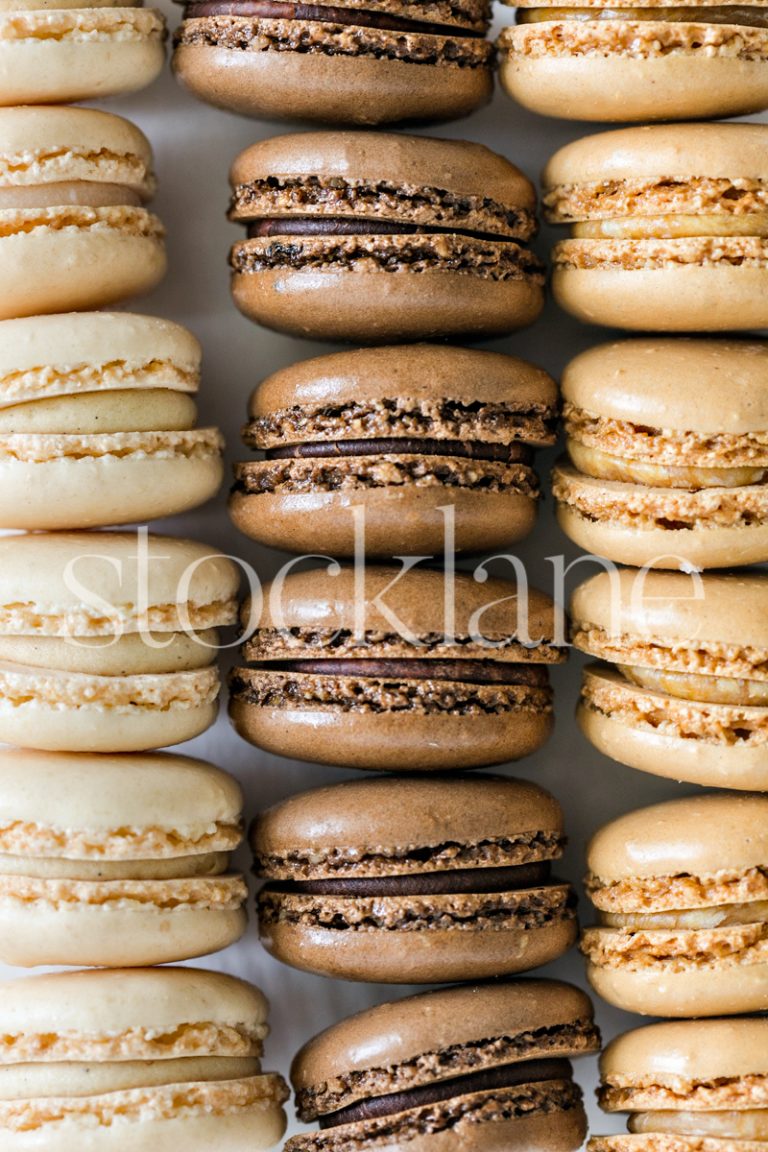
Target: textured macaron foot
x=97, y=422
x=77, y=50
x=402, y=450
x=481, y=1066
x=377, y=238
x=74, y=231
x=668, y=225
x=684, y=692
x=681, y=891
x=360, y=886
x=158, y=1058
x=352, y=63
x=116, y=860
x=379, y=675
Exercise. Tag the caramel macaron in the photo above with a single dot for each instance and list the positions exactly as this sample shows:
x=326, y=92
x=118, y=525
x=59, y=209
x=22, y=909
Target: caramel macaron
x=681, y=891
x=684, y=692
x=392, y=670
x=409, y=449
x=484, y=1068
x=688, y=1084
x=414, y=880
x=668, y=453
x=353, y=62
x=637, y=62
x=669, y=227
x=376, y=237
x=75, y=232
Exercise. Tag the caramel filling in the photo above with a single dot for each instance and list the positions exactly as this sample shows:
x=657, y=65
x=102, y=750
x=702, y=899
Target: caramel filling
x=751, y=1124
x=703, y=689
x=68, y=193
x=175, y=868
x=605, y=466
x=747, y=16
x=692, y=919
x=672, y=227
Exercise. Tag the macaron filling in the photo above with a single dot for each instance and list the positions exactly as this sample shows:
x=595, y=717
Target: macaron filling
x=741, y=14
x=322, y=13
x=751, y=1124
x=499, y=879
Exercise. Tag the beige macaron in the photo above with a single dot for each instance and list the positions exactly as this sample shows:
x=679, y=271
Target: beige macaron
x=116, y=860
x=669, y=227
x=97, y=421
x=108, y=641
x=668, y=447
x=684, y=693
x=688, y=1085
x=54, y=51
x=74, y=231
x=136, y=1060
x=681, y=891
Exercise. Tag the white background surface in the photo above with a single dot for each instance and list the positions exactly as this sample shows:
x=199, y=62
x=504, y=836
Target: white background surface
x=194, y=146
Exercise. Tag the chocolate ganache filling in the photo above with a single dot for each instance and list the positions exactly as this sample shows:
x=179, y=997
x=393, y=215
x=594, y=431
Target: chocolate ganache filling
x=485, y=1080
x=342, y=226
x=319, y=13
x=469, y=450
x=464, y=671
x=507, y=878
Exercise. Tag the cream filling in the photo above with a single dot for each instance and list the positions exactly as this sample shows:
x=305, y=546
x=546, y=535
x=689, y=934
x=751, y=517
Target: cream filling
x=91, y=414
x=24, y=1081
x=60, y=868
x=748, y=1125
x=672, y=227
x=605, y=466
x=703, y=689
x=693, y=919
x=131, y=654
x=68, y=193
x=63, y=5
x=735, y=14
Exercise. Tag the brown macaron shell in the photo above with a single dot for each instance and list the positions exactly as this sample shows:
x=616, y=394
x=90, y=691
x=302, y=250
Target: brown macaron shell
x=438, y=246
x=425, y=1042
x=696, y=636
x=682, y=890
x=294, y=64
x=679, y=274
x=386, y=850
x=412, y=399
x=381, y=692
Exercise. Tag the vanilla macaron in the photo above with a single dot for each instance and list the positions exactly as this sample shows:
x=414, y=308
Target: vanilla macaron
x=108, y=641
x=669, y=227
x=668, y=452
x=681, y=891
x=118, y=861
x=142, y=1060
x=54, y=51
x=74, y=229
x=97, y=421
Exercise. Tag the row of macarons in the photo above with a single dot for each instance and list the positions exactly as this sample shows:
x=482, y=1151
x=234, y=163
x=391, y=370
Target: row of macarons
x=374, y=237
x=360, y=63
x=173, y=1056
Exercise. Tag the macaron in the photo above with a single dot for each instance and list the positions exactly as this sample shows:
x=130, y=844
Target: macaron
x=77, y=49
x=485, y=1066
x=636, y=62
x=359, y=62
x=108, y=641
x=684, y=692
x=116, y=860
x=397, y=671
x=144, y=1060
x=74, y=229
x=669, y=227
x=681, y=891
x=414, y=880
x=408, y=449
x=667, y=442
x=97, y=421
x=687, y=1084
x=375, y=237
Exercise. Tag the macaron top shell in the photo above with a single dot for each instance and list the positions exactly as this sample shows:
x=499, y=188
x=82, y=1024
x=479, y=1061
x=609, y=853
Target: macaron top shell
x=52, y=145
x=105, y=583
x=383, y=826
x=664, y=607
x=711, y=386
x=678, y=1053
x=696, y=836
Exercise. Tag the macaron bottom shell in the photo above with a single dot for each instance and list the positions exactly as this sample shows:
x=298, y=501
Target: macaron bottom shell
x=721, y=987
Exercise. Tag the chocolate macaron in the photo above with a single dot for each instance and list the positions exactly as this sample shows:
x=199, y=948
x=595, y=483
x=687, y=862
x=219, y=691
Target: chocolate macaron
x=369, y=238
x=415, y=447
x=484, y=1068
x=393, y=670
x=684, y=692
x=668, y=448
x=414, y=880
x=681, y=891
x=688, y=1085
x=669, y=227
x=342, y=62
